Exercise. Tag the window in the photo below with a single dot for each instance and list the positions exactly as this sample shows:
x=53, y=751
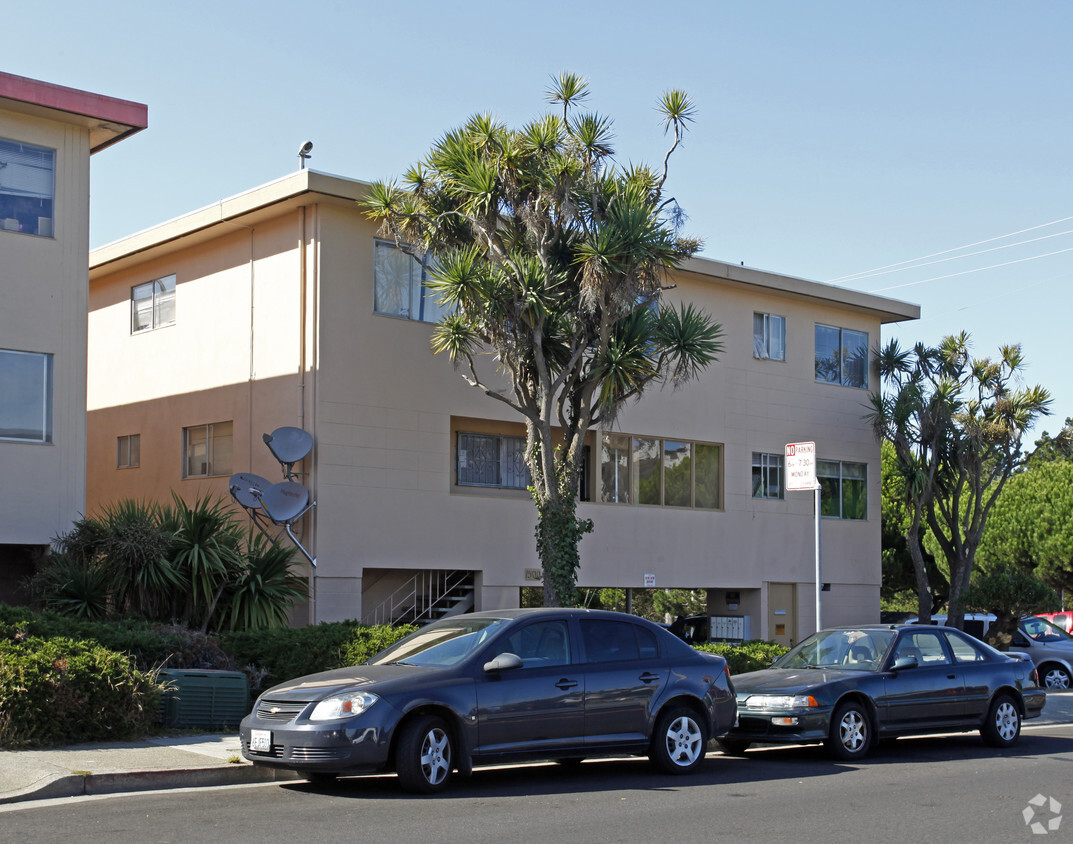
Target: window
x=152, y=305
x=841, y=356
x=769, y=337
x=25, y=396
x=843, y=489
x=543, y=644
x=128, y=451
x=27, y=188
x=668, y=473
x=492, y=460
x=617, y=641
x=207, y=450
x=399, y=282
x=767, y=475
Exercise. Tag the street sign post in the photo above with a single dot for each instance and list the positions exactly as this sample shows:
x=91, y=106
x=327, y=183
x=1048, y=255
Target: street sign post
x=800, y=465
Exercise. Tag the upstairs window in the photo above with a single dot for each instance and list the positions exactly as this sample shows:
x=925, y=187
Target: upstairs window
x=25, y=396
x=843, y=489
x=128, y=451
x=27, y=188
x=207, y=450
x=399, y=282
x=152, y=305
x=841, y=356
x=492, y=460
x=769, y=337
x=767, y=476
x=658, y=472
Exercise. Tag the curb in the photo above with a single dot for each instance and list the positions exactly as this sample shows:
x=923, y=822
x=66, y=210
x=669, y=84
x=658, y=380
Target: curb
x=78, y=785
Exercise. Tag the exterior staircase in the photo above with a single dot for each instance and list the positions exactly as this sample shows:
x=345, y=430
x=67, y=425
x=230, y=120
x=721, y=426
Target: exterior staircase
x=426, y=597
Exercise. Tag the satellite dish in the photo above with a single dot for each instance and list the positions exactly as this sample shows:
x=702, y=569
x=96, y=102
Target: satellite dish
x=248, y=489
x=289, y=445
x=285, y=501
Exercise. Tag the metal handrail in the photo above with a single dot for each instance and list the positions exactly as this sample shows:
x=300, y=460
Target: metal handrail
x=431, y=589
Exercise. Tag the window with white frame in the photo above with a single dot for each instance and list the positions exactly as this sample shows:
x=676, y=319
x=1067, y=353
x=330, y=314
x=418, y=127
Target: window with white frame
x=660, y=472
x=27, y=188
x=207, y=450
x=25, y=396
x=843, y=489
x=841, y=356
x=767, y=476
x=152, y=305
x=400, y=285
x=769, y=337
x=128, y=451
x=492, y=460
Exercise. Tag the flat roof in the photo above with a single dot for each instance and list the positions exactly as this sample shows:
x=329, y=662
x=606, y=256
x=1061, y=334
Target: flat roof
x=290, y=189
x=108, y=119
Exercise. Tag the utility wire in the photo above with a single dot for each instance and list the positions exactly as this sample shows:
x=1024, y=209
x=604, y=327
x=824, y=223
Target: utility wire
x=967, y=272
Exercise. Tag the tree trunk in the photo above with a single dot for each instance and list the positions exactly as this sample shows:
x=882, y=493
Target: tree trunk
x=558, y=535
x=920, y=569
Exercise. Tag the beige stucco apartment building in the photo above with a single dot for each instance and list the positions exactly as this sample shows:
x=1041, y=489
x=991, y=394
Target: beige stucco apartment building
x=47, y=134
x=280, y=307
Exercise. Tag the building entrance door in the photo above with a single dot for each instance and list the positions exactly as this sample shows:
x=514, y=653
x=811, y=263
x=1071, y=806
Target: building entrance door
x=782, y=613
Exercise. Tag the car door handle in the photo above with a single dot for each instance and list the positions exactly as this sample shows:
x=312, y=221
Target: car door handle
x=648, y=677
x=951, y=676
x=565, y=684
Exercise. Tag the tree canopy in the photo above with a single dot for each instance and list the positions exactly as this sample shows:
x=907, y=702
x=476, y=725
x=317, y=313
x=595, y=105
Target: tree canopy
x=957, y=425
x=552, y=258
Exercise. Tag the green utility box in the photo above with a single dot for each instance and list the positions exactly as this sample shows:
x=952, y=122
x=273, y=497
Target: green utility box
x=203, y=698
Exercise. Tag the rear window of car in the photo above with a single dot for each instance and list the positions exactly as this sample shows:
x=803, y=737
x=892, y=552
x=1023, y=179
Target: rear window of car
x=616, y=641
x=965, y=649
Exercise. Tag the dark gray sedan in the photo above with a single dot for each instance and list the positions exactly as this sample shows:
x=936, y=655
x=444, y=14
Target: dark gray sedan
x=850, y=687
x=491, y=687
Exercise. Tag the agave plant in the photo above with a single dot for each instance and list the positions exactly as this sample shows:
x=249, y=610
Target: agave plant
x=266, y=588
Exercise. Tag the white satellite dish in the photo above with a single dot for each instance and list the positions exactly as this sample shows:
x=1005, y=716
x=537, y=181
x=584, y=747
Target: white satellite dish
x=248, y=489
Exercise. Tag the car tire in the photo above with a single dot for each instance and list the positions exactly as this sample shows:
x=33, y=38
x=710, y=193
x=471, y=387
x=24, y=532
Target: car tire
x=680, y=741
x=850, y=735
x=1054, y=677
x=424, y=755
x=1003, y=723
x=734, y=747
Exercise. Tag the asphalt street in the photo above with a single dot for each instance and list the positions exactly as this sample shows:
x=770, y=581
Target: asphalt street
x=950, y=788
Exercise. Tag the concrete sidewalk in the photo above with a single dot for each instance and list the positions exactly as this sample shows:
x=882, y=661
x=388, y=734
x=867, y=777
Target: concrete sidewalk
x=108, y=768
x=199, y=761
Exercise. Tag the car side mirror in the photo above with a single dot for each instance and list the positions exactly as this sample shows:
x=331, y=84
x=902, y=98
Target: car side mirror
x=904, y=662
x=503, y=662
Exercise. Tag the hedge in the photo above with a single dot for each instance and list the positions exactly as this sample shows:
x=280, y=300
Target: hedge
x=62, y=691
x=748, y=656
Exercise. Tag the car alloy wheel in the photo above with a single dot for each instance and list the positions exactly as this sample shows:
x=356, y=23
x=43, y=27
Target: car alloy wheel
x=851, y=732
x=679, y=743
x=423, y=756
x=1055, y=677
x=1003, y=724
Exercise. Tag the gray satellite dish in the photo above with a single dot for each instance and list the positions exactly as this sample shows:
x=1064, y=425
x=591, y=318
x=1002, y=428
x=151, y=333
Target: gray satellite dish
x=288, y=446
x=248, y=489
x=285, y=501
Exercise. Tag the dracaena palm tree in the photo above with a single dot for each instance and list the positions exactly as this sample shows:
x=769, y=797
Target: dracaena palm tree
x=553, y=259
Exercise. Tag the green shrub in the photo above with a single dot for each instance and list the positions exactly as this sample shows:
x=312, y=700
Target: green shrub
x=273, y=656
x=56, y=691
x=748, y=656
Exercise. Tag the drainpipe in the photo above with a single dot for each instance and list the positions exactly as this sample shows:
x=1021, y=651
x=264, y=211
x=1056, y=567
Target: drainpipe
x=303, y=316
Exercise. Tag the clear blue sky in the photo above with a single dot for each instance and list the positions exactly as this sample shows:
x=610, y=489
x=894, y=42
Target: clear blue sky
x=832, y=138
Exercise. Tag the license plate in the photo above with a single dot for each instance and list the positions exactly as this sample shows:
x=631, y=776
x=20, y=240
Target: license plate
x=260, y=740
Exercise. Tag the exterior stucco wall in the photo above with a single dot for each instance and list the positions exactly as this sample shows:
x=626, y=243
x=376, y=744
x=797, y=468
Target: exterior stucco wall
x=44, y=283
x=275, y=326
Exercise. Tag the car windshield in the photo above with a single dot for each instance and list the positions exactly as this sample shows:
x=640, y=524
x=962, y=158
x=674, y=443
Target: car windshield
x=1043, y=631
x=857, y=650
x=441, y=644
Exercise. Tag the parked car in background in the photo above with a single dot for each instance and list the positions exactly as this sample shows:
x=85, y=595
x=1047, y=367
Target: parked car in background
x=491, y=687
x=1050, y=647
x=849, y=687
x=1062, y=620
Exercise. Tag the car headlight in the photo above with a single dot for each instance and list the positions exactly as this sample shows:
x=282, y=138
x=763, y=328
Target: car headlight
x=342, y=706
x=781, y=701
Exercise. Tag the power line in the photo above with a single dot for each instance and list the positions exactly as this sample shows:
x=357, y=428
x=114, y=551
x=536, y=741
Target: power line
x=967, y=272
x=891, y=267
